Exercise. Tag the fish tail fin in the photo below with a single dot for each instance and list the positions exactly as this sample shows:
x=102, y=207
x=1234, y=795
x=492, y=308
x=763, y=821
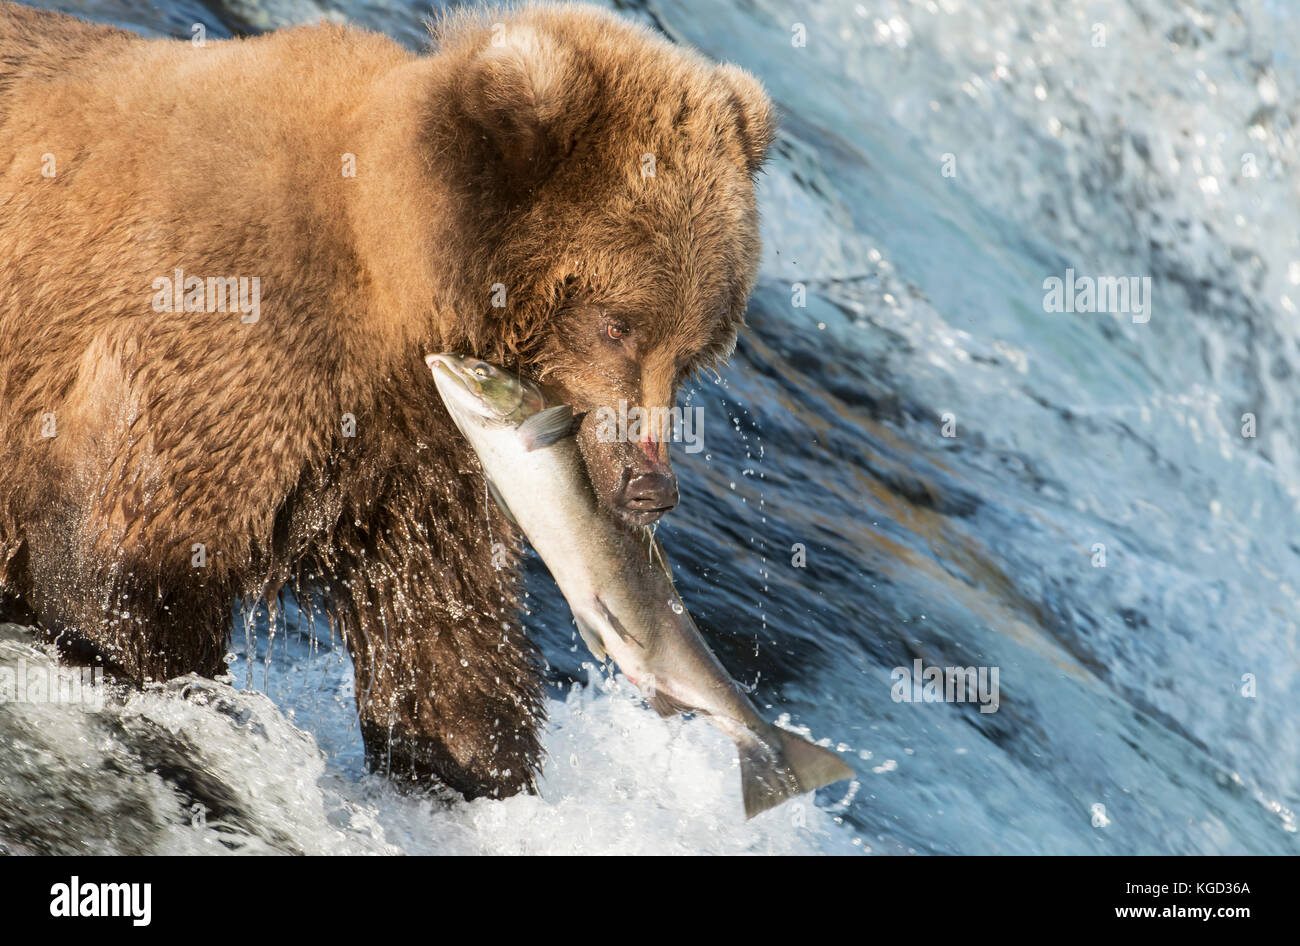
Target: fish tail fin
x=787, y=766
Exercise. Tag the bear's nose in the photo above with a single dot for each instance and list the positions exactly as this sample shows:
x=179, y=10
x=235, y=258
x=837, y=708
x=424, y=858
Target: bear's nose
x=647, y=495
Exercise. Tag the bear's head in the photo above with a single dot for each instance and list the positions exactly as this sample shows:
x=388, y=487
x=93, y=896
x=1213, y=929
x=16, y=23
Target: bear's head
x=600, y=182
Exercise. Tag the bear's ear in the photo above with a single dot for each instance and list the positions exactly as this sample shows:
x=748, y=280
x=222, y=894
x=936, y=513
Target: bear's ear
x=515, y=91
x=755, y=116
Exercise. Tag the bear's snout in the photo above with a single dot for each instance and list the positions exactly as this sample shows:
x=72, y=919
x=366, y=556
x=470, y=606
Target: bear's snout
x=645, y=494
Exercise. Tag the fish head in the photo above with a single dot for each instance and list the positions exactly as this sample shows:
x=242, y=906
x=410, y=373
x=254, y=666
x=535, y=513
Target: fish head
x=482, y=394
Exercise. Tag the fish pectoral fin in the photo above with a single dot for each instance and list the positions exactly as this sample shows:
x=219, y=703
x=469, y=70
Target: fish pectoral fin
x=496, y=494
x=665, y=705
x=547, y=427
x=617, y=626
x=591, y=637
x=590, y=629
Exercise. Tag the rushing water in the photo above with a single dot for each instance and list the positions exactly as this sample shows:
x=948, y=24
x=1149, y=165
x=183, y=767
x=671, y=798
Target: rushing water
x=962, y=477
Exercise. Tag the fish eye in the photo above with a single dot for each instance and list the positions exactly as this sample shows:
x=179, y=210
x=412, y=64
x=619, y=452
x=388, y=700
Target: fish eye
x=482, y=369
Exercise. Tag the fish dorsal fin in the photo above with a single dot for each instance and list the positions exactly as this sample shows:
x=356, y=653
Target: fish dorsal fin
x=501, y=502
x=547, y=427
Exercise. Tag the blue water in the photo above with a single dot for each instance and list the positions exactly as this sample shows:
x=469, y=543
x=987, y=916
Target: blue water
x=1147, y=705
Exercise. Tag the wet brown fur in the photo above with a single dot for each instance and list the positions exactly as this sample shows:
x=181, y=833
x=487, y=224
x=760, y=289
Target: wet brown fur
x=516, y=164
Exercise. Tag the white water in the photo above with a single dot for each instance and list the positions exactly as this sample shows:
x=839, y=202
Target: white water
x=124, y=778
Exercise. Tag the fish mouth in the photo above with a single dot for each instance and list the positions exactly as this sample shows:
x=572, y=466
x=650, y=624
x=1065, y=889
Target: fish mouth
x=450, y=364
x=449, y=367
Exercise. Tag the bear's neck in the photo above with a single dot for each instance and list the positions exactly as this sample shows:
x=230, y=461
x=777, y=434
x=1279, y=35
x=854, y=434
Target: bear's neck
x=389, y=204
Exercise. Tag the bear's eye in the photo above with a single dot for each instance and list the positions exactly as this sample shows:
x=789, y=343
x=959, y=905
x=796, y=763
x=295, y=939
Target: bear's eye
x=615, y=330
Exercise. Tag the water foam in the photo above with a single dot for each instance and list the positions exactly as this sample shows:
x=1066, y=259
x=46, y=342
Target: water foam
x=198, y=766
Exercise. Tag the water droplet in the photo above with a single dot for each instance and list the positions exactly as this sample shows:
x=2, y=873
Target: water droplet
x=676, y=606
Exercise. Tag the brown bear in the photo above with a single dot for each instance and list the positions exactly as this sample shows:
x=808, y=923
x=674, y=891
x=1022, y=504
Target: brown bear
x=221, y=267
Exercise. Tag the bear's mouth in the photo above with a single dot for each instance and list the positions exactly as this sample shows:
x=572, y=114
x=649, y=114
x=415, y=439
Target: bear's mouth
x=643, y=499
